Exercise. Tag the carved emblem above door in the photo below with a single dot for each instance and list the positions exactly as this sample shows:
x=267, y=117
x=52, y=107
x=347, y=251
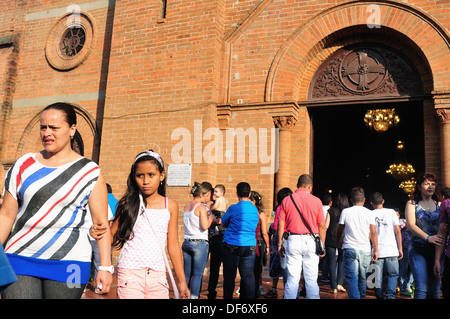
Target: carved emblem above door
x=363, y=71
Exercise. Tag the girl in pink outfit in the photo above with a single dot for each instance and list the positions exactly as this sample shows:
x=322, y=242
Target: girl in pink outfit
x=145, y=222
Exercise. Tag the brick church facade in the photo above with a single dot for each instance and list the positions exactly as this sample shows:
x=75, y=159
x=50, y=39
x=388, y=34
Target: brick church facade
x=220, y=84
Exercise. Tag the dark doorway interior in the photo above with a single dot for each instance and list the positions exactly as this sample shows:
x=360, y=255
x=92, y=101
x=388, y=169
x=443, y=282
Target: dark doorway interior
x=348, y=154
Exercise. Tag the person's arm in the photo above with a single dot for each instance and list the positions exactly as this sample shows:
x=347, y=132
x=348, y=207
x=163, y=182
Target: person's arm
x=322, y=234
x=339, y=231
x=98, y=206
x=280, y=230
x=398, y=236
x=174, y=250
x=410, y=214
x=264, y=232
x=327, y=221
x=443, y=231
x=8, y=213
x=225, y=220
x=205, y=219
x=374, y=240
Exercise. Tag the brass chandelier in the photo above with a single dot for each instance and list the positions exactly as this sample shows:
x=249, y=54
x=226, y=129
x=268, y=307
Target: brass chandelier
x=381, y=119
x=408, y=185
x=400, y=169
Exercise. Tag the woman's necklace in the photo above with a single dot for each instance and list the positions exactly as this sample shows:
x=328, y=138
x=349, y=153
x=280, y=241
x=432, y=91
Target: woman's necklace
x=427, y=205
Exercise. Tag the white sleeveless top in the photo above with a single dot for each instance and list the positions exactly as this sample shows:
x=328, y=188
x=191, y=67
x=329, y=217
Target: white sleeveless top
x=192, y=228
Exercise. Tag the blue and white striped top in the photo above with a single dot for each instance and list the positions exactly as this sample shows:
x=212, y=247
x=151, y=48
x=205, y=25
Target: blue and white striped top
x=47, y=240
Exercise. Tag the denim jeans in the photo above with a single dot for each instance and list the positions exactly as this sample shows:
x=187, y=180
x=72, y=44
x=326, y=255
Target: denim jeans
x=301, y=255
x=356, y=263
x=386, y=267
x=335, y=266
x=427, y=285
x=242, y=257
x=195, y=255
x=405, y=277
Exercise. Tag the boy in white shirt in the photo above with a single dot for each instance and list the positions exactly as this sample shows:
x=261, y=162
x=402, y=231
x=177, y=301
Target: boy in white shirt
x=358, y=224
x=389, y=247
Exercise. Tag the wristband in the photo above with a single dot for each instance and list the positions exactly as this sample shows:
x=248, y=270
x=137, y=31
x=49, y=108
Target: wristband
x=428, y=238
x=109, y=269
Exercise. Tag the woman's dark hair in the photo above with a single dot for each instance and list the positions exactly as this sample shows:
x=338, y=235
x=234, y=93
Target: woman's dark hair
x=76, y=143
x=340, y=202
x=67, y=109
x=445, y=193
x=282, y=193
x=128, y=206
x=417, y=195
x=256, y=197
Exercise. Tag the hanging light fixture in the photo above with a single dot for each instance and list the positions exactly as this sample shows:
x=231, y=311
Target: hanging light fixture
x=408, y=185
x=381, y=119
x=400, y=169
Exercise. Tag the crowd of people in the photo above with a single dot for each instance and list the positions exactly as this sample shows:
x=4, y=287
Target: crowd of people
x=51, y=196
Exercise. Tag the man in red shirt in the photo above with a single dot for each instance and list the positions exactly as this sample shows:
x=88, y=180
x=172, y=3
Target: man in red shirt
x=301, y=249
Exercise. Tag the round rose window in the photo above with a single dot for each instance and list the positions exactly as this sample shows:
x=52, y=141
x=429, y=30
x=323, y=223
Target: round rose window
x=70, y=41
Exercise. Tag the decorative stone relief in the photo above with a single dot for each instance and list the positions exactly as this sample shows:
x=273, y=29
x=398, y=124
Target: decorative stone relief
x=363, y=71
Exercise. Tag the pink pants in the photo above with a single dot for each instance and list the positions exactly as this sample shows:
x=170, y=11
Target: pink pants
x=142, y=284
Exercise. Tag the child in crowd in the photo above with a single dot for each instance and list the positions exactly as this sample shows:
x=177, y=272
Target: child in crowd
x=216, y=233
x=220, y=203
x=145, y=221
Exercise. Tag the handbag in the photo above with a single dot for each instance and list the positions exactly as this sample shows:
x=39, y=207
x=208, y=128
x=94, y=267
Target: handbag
x=320, y=250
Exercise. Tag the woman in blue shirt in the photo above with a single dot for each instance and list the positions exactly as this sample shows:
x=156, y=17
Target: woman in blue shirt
x=238, y=249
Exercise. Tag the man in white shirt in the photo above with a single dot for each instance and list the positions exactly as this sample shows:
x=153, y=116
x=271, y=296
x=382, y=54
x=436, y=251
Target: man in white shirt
x=358, y=224
x=389, y=247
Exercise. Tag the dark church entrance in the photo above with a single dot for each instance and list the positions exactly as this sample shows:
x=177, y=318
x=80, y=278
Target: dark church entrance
x=347, y=153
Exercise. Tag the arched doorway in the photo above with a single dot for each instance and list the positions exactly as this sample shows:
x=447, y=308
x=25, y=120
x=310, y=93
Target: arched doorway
x=347, y=153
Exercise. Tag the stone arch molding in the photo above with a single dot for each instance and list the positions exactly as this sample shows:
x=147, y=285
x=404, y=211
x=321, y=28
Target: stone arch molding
x=292, y=61
x=86, y=126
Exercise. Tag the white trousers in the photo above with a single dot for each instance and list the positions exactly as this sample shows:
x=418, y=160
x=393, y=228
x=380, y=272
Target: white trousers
x=301, y=255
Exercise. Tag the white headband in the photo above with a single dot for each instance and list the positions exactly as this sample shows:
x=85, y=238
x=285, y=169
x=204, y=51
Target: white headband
x=151, y=154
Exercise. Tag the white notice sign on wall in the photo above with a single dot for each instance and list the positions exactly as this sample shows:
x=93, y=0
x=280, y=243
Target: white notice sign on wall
x=179, y=174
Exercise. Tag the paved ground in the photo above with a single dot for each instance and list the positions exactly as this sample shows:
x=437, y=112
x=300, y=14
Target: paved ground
x=325, y=290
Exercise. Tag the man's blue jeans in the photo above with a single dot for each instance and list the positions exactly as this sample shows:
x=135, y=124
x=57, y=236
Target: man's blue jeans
x=356, y=263
x=195, y=255
x=387, y=266
x=242, y=257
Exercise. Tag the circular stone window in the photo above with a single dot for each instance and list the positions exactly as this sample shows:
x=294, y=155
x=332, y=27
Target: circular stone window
x=70, y=41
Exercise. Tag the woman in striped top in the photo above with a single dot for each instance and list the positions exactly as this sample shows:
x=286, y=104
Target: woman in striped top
x=43, y=210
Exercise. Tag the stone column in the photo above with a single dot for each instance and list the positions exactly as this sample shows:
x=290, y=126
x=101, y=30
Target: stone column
x=444, y=126
x=283, y=175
